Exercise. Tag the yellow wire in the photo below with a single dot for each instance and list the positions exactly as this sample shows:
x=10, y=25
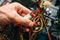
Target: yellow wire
x=40, y=26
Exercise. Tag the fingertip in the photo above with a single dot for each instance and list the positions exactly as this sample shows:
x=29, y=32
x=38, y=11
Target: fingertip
x=27, y=30
x=31, y=24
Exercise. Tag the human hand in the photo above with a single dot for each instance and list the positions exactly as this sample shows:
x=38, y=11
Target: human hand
x=14, y=12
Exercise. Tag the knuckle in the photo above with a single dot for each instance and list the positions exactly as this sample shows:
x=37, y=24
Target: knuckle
x=16, y=3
